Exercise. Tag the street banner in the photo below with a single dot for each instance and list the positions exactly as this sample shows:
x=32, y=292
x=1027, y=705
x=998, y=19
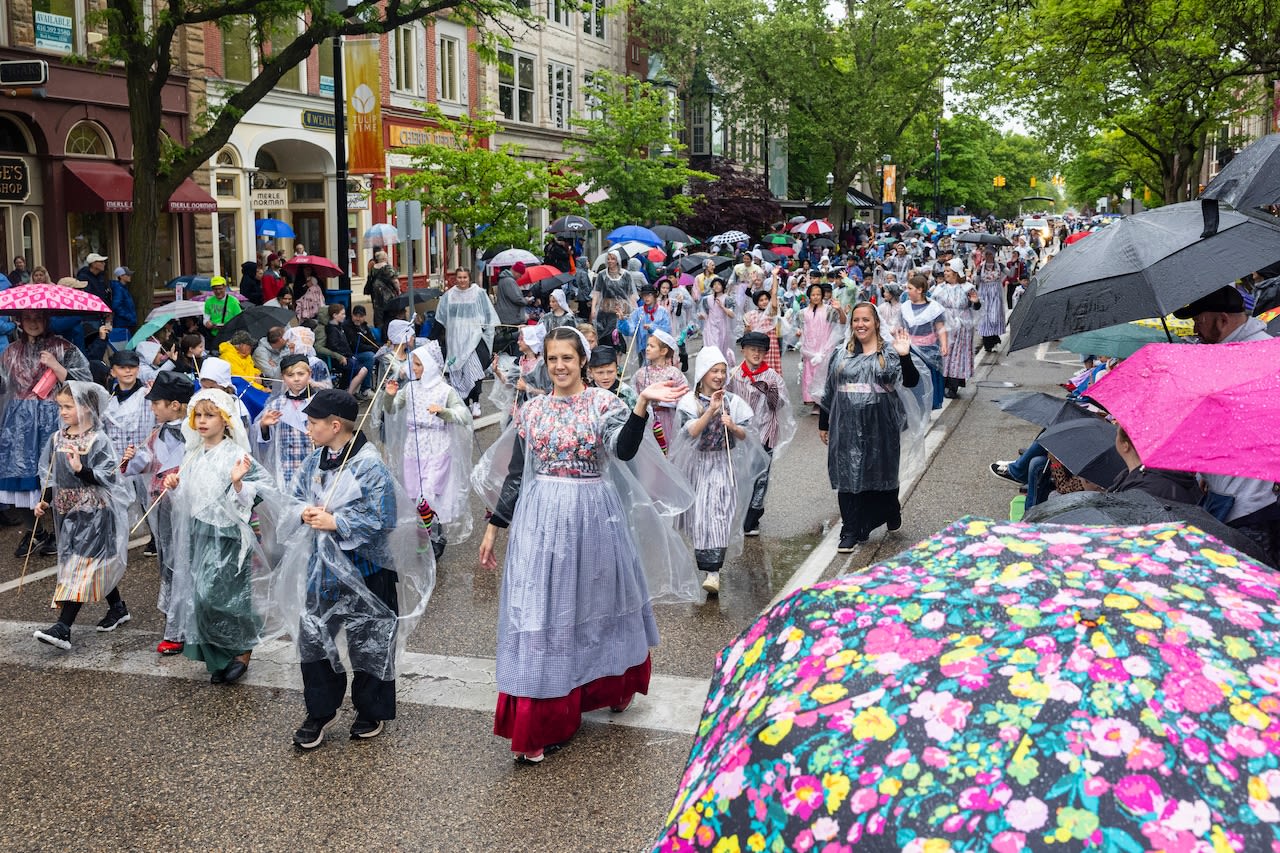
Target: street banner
x=890, y=182
x=959, y=222
x=361, y=69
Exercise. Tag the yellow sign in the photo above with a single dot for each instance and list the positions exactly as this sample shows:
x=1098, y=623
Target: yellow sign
x=404, y=136
x=362, y=66
x=890, y=182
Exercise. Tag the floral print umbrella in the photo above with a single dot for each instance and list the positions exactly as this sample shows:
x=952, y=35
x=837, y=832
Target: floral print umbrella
x=1001, y=687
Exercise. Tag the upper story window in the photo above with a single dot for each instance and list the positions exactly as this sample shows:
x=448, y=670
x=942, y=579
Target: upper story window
x=280, y=34
x=87, y=140
x=449, y=56
x=59, y=25
x=324, y=65
x=560, y=12
x=515, y=86
x=12, y=138
x=237, y=50
x=593, y=18
x=560, y=95
x=404, y=73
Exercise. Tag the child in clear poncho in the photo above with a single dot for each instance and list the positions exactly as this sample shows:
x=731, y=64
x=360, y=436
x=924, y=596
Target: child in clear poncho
x=84, y=490
x=216, y=607
x=283, y=444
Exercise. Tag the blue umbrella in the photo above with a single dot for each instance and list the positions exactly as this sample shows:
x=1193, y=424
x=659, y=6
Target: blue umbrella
x=272, y=228
x=635, y=232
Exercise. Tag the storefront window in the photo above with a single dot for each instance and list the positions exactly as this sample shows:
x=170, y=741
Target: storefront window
x=88, y=233
x=57, y=25
x=237, y=50
x=85, y=140
x=281, y=34
x=228, y=241
x=30, y=239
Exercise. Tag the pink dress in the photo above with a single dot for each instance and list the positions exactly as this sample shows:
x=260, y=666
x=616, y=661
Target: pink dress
x=817, y=334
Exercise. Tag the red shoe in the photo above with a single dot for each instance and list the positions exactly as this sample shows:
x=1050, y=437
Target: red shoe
x=622, y=706
x=168, y=647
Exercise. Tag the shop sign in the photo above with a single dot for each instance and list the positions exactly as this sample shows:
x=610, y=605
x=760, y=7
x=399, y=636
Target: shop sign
x=53, y=32
x=326, y=85
x=357, y=202
x=404, y=136
x=960, y=223
x=317, y=120
x=269, y=199
x=15, y=180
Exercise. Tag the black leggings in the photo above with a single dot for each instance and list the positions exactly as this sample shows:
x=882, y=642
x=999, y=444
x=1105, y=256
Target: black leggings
x=71, y=609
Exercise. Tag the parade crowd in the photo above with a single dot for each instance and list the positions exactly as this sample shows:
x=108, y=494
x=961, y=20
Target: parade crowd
x=298, y=473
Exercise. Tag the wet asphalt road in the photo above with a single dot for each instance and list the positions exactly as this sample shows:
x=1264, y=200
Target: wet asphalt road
x=109, y=747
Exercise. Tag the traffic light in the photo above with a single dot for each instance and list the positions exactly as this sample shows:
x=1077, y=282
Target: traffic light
x=24, y=72
x=998, y=181
x=1033, y=182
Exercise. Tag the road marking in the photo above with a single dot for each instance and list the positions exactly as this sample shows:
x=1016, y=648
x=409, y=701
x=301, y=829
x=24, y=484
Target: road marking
x=31, y=576
x=674, y=703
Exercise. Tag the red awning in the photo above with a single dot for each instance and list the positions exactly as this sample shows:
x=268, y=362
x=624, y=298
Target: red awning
x=98, y=187
x=189, y=198
x=104, y=187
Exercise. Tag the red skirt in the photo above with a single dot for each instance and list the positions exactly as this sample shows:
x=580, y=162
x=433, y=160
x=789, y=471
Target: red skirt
x=534, y=724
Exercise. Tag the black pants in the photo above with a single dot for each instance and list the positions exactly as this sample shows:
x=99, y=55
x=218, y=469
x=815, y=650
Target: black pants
x=755, y=509
x=71, y=609
x=1008, y=294
x=863, y=512
x=324, y=685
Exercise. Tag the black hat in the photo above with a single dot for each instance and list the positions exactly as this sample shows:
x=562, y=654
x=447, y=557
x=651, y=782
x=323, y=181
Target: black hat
x=294, y=358
x=648, y=288
x=754, y=339
x=601, y=356
x=125, y=358
x=332, y=403
x=1226, y=299
x=755, y=297
x=171, y=385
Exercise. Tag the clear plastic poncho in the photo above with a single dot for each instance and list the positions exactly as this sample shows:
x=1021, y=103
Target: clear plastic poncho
x=221, y=600
x=722, y=469
x=91, y=519
x=285, y=445
x=876, y=425
x=30, y=415
x=324, y=585
x=129, y=423
x=774, y=418
x=433, y=450
x=469, y=319
x=630, y=512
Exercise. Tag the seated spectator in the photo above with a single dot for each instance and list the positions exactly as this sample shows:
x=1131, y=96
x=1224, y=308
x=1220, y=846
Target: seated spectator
x=238, y=352
x=269, y=351
x=1167, y=485
x=332, y=343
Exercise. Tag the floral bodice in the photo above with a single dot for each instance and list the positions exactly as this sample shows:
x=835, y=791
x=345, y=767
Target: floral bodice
x=568, y=436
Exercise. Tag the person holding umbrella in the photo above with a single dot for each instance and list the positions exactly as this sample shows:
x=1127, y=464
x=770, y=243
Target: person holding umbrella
x=382, y=285
x=32, y=366
x=862, y=419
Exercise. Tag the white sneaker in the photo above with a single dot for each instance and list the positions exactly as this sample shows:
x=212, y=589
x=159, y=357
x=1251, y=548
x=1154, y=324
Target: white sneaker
x=475, y=410
x=711, y=583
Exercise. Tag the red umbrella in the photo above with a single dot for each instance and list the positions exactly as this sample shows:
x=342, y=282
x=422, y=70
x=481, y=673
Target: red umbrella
x=783, y=250
x=323, y=267
x=813, y=226
x=537, y=273
x=1076, y=237
x=50, y=297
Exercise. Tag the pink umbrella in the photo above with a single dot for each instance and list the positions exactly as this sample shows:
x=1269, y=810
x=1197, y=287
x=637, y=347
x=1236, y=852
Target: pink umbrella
x=813, y=226
x=1212, y=409
x=686, y=280
x=50, y=297
x=323, y=267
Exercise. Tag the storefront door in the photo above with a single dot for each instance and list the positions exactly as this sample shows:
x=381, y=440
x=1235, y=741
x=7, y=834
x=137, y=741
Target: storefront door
x=309, y=228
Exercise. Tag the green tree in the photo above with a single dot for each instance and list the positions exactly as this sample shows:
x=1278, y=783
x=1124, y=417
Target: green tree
x=630, y=149
x=845, y=86
x=149, y=53
x=481, y=191
x=1101, y=168
x=1163, y=73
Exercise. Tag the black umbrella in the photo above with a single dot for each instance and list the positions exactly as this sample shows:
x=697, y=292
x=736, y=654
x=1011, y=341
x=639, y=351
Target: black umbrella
x=982, y=237
x=1122, y=509
x=671, y=234
x=796, y=220
x=822, y=243
x=257, y=321
x=771, y=257
x=1146, y=265
x=693, y=264
x=1249, y=183
x=571, y=225
x=543, y=287
x=426, y=297
x=490, y=254
x=1087, y=447
x=1042, y=409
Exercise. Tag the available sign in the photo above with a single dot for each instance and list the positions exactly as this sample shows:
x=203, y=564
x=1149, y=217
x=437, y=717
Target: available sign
x=15, y=180
x=268, y=199
x=53, y=32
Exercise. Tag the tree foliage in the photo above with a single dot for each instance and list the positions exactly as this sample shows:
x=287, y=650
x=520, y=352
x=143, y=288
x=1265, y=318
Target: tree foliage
x=845, y=87
x=150, y=53
x=483, y=192
x=1163, y=73
x=630, y=149
x=733, y=200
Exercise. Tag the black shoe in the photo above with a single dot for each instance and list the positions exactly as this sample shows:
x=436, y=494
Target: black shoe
x=847, y=544
x=755, y=531
x=9, y=519
x=27, y=543
x=365, y=729
x=895, y=523
x=217, y=677
x=149, y=550
x=437, y=547
x=48, y=545
x=311, y=733
x=234, y=671
x=56, y=634
x=1000, y=468
x=117, y=615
